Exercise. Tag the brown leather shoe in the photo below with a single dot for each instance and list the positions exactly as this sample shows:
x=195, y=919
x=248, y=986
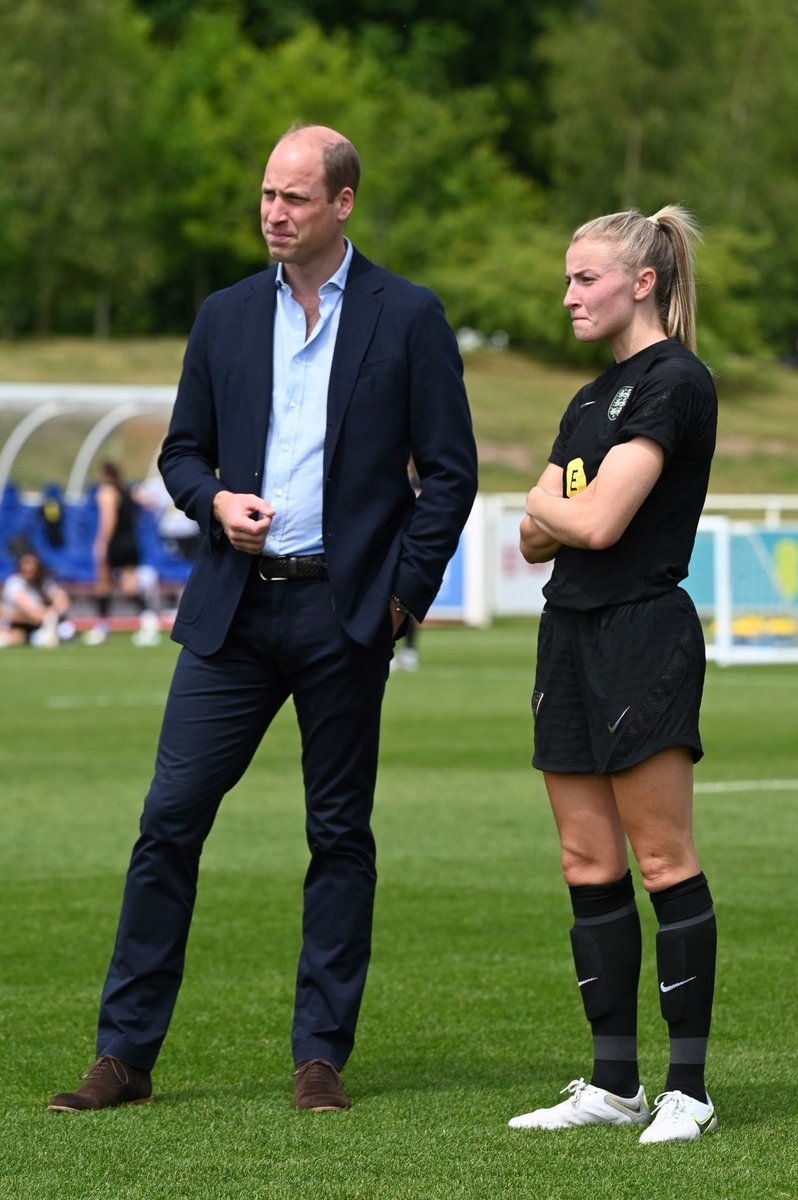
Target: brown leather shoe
x=318, y=1087
x=108, y=1083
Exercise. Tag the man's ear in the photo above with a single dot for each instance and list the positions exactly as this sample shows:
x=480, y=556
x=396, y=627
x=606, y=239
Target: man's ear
x=346, y=202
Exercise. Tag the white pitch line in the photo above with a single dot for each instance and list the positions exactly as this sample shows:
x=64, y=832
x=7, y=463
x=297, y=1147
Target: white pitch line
x=750, y=785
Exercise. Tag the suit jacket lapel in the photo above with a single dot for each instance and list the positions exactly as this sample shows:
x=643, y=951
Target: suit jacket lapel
x=256, y=348
x=360, y=310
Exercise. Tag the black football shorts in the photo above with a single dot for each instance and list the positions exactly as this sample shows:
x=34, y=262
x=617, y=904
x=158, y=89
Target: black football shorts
x=615, y=685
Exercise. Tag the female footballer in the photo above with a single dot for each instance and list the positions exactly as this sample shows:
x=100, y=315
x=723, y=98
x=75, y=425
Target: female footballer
x=621, y=662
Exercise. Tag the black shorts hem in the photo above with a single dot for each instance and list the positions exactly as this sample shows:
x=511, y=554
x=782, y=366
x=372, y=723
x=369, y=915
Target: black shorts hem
x=631, y=760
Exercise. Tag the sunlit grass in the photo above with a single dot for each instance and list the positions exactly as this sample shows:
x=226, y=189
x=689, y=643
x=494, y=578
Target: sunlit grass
x=470, y=1014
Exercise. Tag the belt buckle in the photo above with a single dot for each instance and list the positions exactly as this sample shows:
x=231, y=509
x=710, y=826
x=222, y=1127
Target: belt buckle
x=270, y=578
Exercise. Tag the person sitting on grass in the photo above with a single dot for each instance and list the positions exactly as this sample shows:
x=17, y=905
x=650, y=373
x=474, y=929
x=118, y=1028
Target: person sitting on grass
x=34, y=606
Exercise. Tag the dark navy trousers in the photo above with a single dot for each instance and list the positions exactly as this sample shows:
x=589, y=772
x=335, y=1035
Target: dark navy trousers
x=285, y=641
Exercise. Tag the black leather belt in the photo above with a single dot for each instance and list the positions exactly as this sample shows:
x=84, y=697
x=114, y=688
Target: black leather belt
x=277, y=570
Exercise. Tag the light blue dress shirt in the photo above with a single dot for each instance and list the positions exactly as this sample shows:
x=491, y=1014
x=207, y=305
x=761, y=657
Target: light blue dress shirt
x=294, y=463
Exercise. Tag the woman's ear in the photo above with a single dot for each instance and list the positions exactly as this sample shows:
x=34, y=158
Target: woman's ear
x=645, y=282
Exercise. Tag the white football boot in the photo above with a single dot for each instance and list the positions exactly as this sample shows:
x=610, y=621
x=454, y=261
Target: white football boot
x=587, y=1105
x=678, y=1118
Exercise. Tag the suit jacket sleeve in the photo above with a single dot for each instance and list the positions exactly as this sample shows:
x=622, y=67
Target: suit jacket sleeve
x=443, y=450
x=396, y=391
x=189, y=458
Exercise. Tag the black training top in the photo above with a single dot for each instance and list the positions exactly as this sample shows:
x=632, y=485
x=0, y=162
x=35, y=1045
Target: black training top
x=664, y=393
x=123, y=549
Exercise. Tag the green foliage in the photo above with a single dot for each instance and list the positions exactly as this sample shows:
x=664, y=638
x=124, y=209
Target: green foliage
x=627, y=82
x=470, y=1014
x=433, y=182
x=728, y=270
x=202, y=124
x=693, y=108
x=76, y=183
x=133, y=136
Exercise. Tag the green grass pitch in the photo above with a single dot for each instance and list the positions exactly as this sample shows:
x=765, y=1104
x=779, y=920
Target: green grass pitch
x=470, y=1015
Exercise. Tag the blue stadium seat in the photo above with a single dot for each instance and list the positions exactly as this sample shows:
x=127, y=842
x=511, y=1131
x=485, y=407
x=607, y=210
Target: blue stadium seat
x=69, y=556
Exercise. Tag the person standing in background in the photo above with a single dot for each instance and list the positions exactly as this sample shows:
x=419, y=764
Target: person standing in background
x=117, y=558
x=621, y=663
x=304, y=392
x=180, y=535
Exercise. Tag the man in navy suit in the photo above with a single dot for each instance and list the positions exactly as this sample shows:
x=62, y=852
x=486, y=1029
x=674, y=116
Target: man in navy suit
x=305, y=390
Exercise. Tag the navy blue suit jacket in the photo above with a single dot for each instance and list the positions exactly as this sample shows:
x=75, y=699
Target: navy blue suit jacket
x=396, y=389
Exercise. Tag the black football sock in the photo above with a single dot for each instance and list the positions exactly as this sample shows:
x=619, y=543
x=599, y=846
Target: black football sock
x=686, y=945
x=606, y=945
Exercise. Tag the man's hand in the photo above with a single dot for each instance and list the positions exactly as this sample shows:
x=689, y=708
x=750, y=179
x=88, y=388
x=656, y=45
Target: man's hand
x=245, y=519
x=397, y=618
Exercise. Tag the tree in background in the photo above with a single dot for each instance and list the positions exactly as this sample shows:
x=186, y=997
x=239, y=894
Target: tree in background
x=434, y=46
x=133, y=137
x=76, y=193
x=207, y=122
x=438, y=200
x=693, y=103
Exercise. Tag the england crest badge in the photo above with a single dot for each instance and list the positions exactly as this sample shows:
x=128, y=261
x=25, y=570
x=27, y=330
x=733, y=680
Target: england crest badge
x=618, y=402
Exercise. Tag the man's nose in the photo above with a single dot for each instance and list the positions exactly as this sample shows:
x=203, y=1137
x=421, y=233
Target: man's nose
x=276, y=210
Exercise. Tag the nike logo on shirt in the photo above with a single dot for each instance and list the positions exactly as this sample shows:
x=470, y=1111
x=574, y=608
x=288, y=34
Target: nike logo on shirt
x=592, y=979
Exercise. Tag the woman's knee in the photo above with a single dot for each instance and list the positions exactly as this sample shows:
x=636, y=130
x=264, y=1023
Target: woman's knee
x=660, y=868
x=589, y=864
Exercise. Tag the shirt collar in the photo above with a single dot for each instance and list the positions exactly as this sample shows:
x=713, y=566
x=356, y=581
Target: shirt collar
x=338, y=280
